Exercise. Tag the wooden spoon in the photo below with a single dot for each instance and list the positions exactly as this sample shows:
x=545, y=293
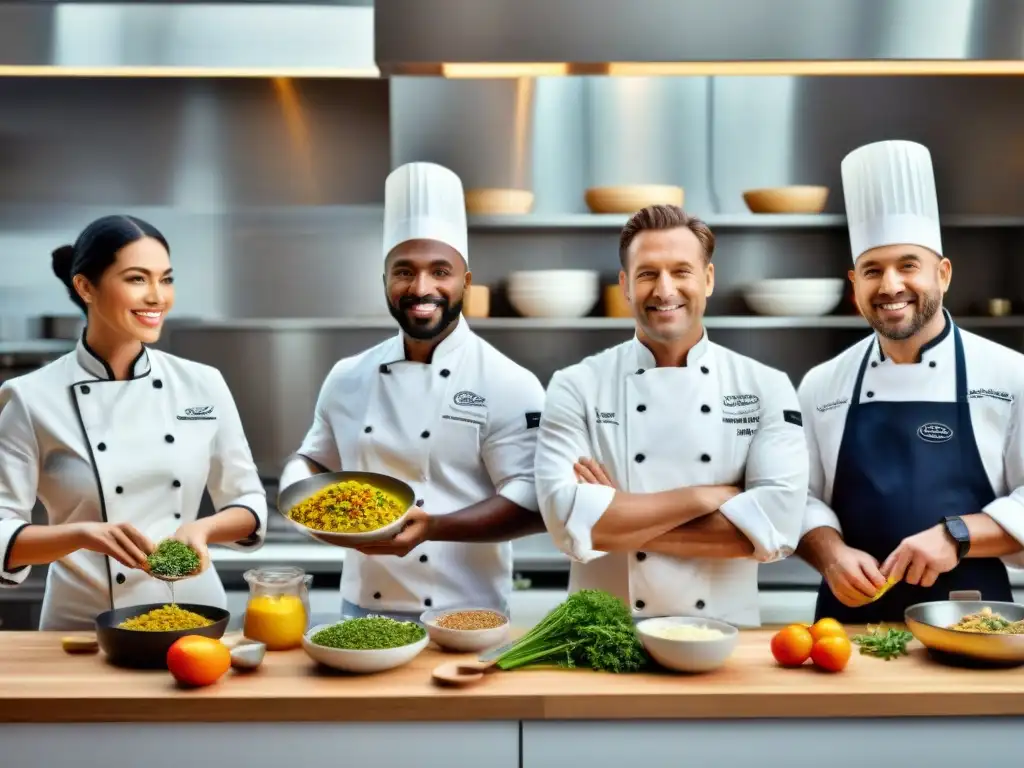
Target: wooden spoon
x=463, y=672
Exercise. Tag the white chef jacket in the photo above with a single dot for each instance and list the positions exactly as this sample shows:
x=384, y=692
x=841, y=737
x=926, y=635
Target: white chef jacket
x=139, y=451
x=457, y=430
x=995, y=381
x=723, y=419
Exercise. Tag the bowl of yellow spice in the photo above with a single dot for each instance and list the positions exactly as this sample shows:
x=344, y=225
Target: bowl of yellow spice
x=140, y=636
x=347, y=509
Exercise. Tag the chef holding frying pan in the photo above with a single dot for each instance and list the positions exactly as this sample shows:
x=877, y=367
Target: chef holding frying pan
x=118, y=442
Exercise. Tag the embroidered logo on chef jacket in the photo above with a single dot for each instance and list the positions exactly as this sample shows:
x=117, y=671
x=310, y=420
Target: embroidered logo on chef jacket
x=605, y=417
x=933, y=432
x=199, y=413
x=831, y=406
x=465, y=397
x=995, y=394
x=740, y=405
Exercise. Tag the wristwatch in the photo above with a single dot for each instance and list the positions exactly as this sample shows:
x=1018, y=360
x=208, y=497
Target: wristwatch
x=957, y=530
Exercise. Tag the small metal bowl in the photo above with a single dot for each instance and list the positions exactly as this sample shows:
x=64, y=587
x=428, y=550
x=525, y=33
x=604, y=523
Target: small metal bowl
x=304, y=489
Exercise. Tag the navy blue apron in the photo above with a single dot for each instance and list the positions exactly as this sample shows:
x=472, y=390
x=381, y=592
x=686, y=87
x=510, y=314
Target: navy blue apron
x=902, y=467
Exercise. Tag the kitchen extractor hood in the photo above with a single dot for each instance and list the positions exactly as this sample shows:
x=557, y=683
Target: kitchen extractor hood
x=515, y=38
x=191, y=39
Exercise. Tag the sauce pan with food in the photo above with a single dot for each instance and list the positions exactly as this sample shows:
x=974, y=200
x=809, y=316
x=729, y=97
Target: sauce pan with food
x=967, y=628
x=141, y=635
x=347, y=509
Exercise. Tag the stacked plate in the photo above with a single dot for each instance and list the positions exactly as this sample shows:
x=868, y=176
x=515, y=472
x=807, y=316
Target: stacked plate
x=796, y=297
x=554, y=292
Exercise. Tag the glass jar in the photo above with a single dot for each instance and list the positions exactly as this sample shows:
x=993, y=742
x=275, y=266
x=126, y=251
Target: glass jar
x=277, y=613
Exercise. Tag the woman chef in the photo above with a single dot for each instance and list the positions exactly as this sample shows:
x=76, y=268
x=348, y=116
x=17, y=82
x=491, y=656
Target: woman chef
x=118, y=442
x=917, y=451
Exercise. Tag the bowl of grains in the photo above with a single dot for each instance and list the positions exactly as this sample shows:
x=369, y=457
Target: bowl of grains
x=467, y=629
x=141, y=635
x=365, y=644
x=347, y=509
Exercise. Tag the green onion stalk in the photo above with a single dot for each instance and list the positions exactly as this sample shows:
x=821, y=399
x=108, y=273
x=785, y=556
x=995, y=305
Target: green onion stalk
x=590, y=629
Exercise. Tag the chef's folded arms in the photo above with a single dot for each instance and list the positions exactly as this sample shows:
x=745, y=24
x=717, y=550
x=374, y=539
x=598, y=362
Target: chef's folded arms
x=772, y=467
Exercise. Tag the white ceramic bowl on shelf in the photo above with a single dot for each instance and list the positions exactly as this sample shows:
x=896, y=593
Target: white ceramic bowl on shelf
x=803, y=297
x=361, y=662
x=554, y=292
x=697, y=655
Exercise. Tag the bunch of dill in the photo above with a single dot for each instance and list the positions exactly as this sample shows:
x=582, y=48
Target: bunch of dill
x=590, y=629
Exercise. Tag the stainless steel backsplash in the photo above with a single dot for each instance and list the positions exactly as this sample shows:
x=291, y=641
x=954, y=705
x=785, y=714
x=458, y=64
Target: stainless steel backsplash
x=269, y=191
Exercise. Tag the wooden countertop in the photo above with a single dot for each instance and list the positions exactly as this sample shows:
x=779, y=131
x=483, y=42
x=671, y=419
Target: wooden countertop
x=39, y=683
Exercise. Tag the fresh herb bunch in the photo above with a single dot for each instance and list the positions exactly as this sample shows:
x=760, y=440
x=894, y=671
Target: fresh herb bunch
x=173, y=558
x=369, y=633
x=590, y=629
x=885, y=644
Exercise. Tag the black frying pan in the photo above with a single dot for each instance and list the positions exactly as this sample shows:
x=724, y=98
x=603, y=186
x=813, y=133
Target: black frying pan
x=148, y=650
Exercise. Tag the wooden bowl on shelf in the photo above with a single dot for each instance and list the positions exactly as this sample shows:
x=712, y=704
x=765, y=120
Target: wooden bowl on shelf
x=477, y=301
x=630, y=199
x=797, y=199
x=615, y=304
x=496, y=201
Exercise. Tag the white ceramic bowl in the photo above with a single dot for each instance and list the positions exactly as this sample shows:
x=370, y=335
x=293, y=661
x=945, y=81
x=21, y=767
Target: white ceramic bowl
x=688, y=655
x=465, y=640
x=361, y=662
x=798, y=297
x=559, y=278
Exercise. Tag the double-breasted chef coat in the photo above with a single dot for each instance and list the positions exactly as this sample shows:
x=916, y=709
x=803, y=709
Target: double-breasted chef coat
x=723, y=419
x=896, y=448
x=457, y=430
x=138, y=451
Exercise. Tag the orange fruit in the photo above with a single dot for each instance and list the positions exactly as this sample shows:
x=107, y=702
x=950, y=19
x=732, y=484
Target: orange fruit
x=791, y=646
x=832, y=653
x=827, y=628
x=196, y=660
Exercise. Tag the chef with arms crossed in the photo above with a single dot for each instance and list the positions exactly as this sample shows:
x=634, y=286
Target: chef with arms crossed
x=643, y=447
x=438, y=408
x=118, y=442
x=915, y=433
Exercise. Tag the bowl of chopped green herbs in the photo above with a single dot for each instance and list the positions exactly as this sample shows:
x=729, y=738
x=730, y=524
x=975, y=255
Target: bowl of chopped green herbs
x=173, y=560
x=366, y=644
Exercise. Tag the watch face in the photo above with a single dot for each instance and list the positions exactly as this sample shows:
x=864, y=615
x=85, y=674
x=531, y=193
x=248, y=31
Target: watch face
x=958, y=529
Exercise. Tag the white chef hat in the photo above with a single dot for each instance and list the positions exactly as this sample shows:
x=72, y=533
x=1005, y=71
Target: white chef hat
x=425, y=201
x=889, y=188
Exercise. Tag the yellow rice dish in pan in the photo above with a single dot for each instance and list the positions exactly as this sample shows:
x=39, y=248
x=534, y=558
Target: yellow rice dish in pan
x=348, y=507
x=987, y=622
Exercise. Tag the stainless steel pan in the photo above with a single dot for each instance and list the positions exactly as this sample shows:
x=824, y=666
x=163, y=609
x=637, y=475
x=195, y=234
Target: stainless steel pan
x=302, y=490
x=928, y=623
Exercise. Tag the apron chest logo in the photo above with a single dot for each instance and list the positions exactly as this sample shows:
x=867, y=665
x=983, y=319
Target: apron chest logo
x=933, y=432
x=465, y=397
x=198, y=413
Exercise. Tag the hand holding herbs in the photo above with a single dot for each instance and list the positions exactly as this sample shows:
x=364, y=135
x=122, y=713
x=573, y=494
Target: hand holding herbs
x=885, y=644
x=173, y=559
x=590, y=629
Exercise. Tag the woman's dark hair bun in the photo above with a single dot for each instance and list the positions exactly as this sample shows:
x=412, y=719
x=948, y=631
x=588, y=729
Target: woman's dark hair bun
x=63, y=259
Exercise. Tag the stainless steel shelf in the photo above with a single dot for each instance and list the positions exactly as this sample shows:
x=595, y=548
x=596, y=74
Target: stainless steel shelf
x=589, y=221
x=737, y=322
